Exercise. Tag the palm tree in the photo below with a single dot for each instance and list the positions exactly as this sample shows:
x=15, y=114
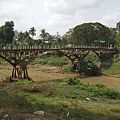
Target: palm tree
x=32, y=31
x=43, y=34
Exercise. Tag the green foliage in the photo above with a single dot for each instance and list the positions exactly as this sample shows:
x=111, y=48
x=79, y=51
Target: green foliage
x=24, y=82
x=42, y=61
x=73, y=81
x=101, y=90
x=54, y=59
x=58, y=61
x=96, y=90
x=68, y=69
x=3, y=62
x=14, y=99
x=89, y=68
x=7, y=33
x=92, y=57
x=108, y=68
x=86, y=33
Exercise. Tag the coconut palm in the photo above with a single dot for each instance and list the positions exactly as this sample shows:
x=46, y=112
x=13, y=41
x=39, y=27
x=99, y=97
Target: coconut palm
x=32, y=31
x=43, y=34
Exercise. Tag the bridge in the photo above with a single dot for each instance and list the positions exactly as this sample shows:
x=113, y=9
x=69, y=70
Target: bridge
x=21, y=57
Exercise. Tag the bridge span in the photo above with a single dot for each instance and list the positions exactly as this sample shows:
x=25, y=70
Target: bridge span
x=21, y=57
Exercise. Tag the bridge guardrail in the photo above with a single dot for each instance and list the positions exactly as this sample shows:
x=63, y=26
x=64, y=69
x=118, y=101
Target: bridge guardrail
x=15, y=47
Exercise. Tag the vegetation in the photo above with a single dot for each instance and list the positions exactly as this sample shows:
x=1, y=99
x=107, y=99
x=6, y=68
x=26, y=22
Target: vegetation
x=89, y=68
x=56, y=100
x=86, y=33
x=6, y=33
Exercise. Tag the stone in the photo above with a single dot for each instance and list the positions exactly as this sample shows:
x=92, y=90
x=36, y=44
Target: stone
x=6, y=117
x=40, y=113
x=88, y=99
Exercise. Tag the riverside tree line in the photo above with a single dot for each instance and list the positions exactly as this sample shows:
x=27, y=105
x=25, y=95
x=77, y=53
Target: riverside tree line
x=83, y=34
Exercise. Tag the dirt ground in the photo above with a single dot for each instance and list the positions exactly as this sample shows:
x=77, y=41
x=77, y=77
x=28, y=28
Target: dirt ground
x=45, y=73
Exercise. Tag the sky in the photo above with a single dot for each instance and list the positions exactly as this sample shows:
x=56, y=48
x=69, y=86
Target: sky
x=58, y=15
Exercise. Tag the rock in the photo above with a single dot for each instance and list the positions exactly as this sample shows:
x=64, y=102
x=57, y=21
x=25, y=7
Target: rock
x=68, y=114
x=88, y=99
x=40, y=113
x=6, y=117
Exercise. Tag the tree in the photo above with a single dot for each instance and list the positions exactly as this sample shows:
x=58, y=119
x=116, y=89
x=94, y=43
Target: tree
x=68, y=37
x=32, y=31
x=1, y=35
x=21, y=37
x=89, y=68
x=118, y=26
x=113, y=36
x=86, y=33
x=7, y=32
x=118, y=32
x=45, y=35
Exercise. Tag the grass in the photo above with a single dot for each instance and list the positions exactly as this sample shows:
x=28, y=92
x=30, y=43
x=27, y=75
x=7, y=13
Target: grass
x=59, y=101
x=110, y=82
x=114, y=69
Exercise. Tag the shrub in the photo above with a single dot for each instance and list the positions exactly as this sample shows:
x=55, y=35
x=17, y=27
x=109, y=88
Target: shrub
x=43, y=61
x=72, y=81
x=68, y=69
x=89, y=68
x=24, y=82
x=102, y=90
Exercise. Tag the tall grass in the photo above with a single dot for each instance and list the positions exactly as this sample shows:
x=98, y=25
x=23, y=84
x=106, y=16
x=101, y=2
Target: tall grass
x=11, y=98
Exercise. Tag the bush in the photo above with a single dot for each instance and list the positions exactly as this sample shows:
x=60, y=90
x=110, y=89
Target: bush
x=89, y=68
x=72, y=81
x=43, y=61
x=24, y=82
x=102, y=90
x=68, y=69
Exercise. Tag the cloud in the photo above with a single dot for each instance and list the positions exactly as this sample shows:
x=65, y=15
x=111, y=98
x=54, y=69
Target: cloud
x=111, y=17
x=66, y=13
x=19, y=11
x=54, y=15
x=10, y=10
x=69, y=6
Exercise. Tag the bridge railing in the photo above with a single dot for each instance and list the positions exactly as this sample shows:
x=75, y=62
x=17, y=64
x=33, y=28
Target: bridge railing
x=15, y=47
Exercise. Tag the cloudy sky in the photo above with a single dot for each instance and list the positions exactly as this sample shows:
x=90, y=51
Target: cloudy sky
x=58, y=15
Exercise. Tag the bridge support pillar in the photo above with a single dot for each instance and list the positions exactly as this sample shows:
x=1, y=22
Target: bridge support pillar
x=20, y=72
x=76, y=66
